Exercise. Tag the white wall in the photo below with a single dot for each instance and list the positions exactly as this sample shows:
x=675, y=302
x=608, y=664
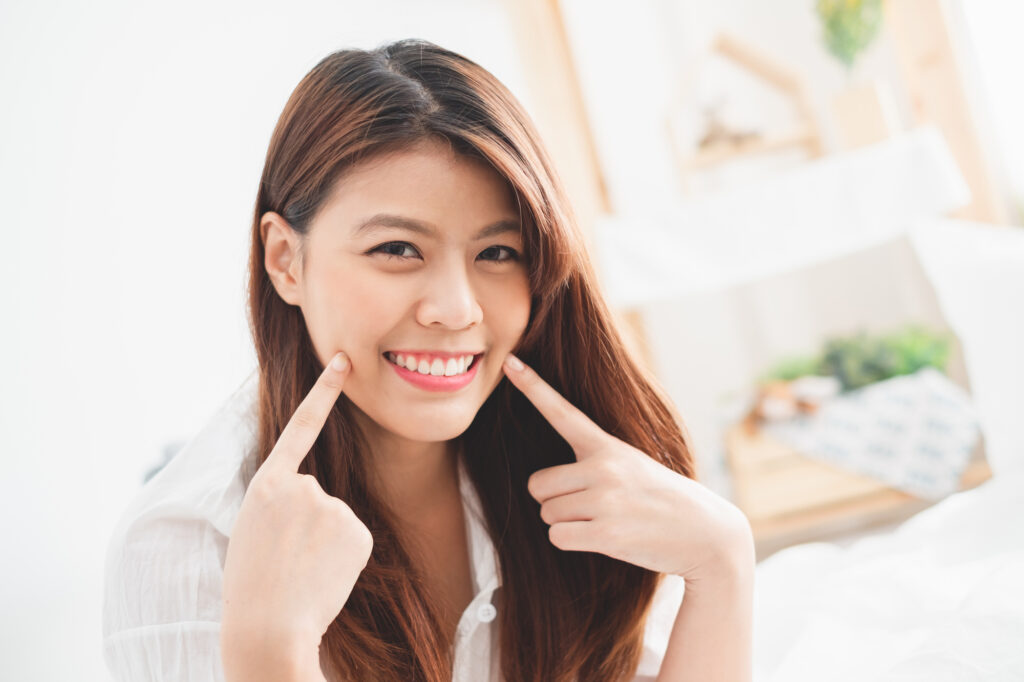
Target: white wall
x=993, y=28
x=132, y=138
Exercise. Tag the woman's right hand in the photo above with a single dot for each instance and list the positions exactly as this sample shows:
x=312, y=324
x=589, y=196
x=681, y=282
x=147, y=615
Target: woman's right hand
x=294, y=555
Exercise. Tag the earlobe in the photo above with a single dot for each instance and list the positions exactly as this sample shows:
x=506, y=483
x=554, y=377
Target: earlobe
x=280, y=259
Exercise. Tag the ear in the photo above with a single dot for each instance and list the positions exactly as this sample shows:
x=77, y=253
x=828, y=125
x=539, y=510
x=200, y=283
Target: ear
x=281, y=256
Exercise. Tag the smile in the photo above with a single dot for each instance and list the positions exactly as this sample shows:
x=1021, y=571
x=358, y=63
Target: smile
x=435, y=372
x=433, y=364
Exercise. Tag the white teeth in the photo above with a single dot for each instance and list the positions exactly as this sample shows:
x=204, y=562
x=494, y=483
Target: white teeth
x=437, y=367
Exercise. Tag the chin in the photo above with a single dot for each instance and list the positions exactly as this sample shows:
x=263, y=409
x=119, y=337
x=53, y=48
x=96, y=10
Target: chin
x=433, y=431
x=431, y=423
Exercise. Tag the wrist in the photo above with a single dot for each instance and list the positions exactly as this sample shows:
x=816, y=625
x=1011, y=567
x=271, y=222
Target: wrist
x=732, y=562
x=251, y=655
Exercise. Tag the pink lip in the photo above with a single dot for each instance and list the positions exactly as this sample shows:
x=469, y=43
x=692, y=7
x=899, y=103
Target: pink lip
x=429, y=382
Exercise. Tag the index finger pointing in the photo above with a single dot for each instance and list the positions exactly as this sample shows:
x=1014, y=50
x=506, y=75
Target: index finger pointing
x=577, y=428
x=309, y=417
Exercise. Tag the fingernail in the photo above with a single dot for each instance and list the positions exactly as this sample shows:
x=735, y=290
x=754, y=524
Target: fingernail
x=339, y=363
x=512, y=362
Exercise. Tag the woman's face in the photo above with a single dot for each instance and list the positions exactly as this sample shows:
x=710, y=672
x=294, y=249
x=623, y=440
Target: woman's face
x=416, y=256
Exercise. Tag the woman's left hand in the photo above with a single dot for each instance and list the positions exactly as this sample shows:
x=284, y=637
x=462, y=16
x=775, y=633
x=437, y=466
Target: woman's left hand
x=616, y=500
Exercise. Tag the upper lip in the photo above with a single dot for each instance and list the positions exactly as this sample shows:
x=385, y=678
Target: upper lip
x=437, y=353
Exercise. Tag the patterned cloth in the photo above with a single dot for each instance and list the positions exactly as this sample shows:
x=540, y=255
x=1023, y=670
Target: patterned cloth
x=914, y=432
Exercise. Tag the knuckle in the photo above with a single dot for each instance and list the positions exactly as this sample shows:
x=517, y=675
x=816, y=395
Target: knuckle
x=562, y=412
x=609, y=533
x=611, y=498
x=304, y=419
x=365, y=537
x=593, y=438
x=363, y=541
x=337, y=509
x=336, y=503
x=262, y=489
x=333, y=381
x=557, y=536
x=606, y=467
x=310, y=486
x=741, y=524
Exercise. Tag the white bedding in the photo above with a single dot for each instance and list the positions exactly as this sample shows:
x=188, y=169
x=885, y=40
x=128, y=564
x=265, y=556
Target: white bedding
x=940, y=598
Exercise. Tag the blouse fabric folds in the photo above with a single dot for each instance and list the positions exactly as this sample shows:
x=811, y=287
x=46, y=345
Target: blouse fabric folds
x=165, y=560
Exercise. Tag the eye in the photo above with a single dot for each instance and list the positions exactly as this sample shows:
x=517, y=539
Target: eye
x=494, y=253
x=400, y=250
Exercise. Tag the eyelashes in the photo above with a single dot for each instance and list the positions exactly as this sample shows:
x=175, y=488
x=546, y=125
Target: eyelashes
x=400, y=251
x=513, y=255
x=388, y=249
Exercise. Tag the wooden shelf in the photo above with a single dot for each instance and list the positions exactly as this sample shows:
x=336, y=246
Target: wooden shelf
x=720, y=153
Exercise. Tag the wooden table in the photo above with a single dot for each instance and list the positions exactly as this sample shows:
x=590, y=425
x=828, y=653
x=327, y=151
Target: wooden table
x=791, y=498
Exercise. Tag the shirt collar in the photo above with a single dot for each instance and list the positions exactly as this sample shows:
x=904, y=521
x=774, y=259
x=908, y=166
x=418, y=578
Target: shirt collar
x=484, y=558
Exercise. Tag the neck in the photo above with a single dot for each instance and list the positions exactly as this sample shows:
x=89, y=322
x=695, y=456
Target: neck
x=414, y=477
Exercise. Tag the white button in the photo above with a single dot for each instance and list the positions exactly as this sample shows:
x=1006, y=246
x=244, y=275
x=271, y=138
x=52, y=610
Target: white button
x=486, y=613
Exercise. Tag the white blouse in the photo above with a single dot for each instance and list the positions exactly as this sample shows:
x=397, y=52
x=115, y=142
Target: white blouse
x=165, y=560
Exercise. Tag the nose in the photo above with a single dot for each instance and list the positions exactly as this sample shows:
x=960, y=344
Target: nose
x=449, y=300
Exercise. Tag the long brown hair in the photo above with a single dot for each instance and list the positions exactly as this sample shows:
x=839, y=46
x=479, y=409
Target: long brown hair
x=565, y=615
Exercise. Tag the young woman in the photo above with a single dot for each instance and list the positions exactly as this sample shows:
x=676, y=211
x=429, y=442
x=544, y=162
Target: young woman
x=447, y=466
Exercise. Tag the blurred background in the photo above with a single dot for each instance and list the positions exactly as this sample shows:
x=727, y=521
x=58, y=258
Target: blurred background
x=807, y=213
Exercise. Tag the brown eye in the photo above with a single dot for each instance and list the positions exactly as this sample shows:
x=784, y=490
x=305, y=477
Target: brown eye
x=495, y=253
x=395, y=250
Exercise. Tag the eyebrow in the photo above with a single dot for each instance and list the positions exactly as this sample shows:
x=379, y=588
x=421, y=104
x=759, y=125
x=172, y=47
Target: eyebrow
x=382, y=220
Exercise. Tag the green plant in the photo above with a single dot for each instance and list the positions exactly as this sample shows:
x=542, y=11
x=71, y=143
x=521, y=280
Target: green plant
x=849, y=26
x=792, y=368
x=860, y=359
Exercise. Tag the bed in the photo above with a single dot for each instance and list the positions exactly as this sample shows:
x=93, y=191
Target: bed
x=939, y=598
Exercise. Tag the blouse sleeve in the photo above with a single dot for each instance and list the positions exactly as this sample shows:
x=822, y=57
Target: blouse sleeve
x=667, y=600
x=162, y=600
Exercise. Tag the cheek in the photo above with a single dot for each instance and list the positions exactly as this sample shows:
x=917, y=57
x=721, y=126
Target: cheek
x=350, y=313
x=510, y=312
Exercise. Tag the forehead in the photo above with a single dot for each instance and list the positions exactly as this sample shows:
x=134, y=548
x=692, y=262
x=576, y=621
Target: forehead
x=428, y=183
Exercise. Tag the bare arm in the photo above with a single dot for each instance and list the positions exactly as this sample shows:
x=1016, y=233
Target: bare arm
x=711, y=639
x=253, y=658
